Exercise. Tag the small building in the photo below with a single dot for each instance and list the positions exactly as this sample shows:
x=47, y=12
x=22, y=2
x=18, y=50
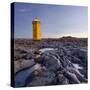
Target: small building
x=36, y=24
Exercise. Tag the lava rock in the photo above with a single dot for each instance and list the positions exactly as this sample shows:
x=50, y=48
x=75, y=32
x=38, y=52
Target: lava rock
x=71, y=77
x=51, y=63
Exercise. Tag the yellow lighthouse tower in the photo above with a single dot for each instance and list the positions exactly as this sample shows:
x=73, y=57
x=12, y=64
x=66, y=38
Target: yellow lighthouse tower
x=36, y=29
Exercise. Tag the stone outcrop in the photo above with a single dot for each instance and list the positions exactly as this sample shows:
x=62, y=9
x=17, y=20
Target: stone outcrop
x=61, y=63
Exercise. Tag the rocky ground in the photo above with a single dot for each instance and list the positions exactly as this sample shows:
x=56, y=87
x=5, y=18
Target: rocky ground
x=50, y=61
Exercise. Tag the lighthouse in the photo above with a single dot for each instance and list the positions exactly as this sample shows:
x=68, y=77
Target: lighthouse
x=36, y=29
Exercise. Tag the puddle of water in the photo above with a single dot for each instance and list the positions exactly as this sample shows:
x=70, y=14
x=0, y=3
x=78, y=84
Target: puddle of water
x=23, y=75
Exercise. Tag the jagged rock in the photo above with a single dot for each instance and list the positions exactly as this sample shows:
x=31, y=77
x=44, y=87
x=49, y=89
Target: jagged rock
x=21, y=64
x=62, y=80
x=18, y=55
x=28, y=56
x=21, y=53
x=74, y=59
x=71, y=77
x=81, y=54
x=65, y=62
x=50, y=62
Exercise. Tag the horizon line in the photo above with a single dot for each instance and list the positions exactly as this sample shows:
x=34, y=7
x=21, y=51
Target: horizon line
x=49, y=37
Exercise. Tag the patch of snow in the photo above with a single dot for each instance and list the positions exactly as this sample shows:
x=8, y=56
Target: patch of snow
x=79, y=72
x=46, y=49
x=77, y=66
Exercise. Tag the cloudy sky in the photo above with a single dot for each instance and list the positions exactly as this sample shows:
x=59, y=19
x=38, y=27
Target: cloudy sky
x=56, y=20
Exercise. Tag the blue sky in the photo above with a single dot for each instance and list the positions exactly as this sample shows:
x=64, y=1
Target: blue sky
x=56, y=20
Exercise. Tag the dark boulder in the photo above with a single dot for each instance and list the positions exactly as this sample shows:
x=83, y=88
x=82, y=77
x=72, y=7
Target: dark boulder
x=50, y=63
